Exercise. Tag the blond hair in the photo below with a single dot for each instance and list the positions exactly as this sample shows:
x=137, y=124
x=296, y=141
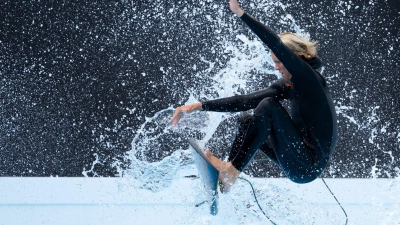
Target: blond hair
x=301, y=46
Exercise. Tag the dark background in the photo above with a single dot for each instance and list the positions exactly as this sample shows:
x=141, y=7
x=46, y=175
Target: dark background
x=78, y=79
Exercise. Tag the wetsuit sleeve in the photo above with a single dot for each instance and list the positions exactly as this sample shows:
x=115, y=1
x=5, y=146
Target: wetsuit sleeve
x=298, y=68
x=279, y=90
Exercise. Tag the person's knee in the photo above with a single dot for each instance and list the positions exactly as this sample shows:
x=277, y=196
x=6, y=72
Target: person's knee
x=243, y=122
x=245, y=118
x=265, y=106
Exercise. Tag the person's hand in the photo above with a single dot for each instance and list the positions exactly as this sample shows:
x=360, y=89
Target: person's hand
x=184, y=109
x=235, y=8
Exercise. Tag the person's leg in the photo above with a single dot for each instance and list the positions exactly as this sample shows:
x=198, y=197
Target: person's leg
x=268, y=150
x=242, y=126
x=294, y=157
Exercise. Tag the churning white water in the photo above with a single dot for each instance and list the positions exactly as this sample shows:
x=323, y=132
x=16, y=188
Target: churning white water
x=160, y=163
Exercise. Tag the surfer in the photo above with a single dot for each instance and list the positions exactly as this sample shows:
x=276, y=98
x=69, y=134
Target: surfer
x=301, y=144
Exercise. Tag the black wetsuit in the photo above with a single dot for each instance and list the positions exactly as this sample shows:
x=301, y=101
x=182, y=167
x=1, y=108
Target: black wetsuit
x=301, y=144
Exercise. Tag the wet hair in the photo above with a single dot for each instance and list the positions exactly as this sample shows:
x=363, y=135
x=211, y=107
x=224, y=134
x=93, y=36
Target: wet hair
x=301, y=46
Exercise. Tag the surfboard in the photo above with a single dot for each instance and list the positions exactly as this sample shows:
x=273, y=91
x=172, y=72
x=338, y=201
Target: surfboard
x=208, y=174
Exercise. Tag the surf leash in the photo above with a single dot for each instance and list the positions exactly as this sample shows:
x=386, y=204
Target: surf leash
x=336, y=200
x=255, y=197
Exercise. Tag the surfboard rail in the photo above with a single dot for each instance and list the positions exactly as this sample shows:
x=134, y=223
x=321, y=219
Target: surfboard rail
x=208, y=174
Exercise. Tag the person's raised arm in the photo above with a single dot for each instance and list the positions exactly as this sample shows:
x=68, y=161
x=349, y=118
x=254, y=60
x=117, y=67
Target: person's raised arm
x=235, y=8
x=293, y=63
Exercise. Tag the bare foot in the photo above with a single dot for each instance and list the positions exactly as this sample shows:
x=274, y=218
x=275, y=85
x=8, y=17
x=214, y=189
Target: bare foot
x=217, y=163
x=227, y=172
